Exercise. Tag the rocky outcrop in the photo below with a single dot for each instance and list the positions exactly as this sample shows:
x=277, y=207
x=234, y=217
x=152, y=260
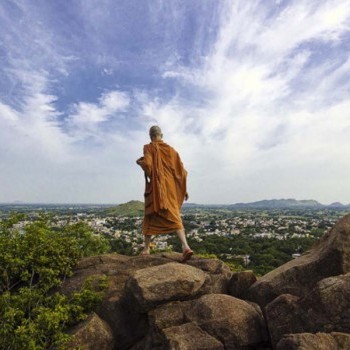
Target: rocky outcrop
x=189, y=336
x=92, y=334
x=160, y=284
x=137, y=285
x=240, y=282
x=318, y=341
x=157, y=302
x=234, y=322
x=330, y=256
x=325, y=309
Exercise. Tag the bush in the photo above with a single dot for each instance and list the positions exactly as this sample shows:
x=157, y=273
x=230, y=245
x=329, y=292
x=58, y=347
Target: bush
x=34, y=261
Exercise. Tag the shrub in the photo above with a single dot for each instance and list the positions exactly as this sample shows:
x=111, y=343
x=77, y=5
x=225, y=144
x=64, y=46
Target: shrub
x=33, y=262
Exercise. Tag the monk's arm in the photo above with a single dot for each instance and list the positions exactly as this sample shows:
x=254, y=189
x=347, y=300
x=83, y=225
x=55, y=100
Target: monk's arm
x=182, y=173
x=145, y=162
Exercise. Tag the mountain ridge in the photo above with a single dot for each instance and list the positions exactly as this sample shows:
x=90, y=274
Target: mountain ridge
x=136, y=208
x=281, y=203
x=274, y=204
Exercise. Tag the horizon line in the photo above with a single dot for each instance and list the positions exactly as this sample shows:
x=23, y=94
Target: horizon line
x=188, y=203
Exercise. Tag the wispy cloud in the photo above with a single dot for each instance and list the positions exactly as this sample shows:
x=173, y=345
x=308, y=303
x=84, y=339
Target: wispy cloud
x=88, y=117
x=255, y=96
x=271, y=100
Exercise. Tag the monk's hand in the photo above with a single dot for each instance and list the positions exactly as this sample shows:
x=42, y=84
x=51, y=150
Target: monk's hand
x=139, y=160
x=186, y=196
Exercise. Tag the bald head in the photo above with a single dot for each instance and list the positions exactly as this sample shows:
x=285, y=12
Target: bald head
x=155, y=133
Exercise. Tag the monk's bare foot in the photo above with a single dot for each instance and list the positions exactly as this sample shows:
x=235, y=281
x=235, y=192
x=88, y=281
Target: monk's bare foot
x=187, y=254
x=145, y=252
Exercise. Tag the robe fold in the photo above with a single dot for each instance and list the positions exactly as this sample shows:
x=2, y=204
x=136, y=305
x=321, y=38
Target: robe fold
x=165, y=190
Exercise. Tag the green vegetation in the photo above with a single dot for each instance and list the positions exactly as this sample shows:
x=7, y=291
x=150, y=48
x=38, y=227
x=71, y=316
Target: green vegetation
x=132, y=208
x=37, y=256
x=33, y=262
x=121, y=246
x=265, y=254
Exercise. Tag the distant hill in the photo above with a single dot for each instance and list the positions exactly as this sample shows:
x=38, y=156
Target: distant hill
x=336, y=205
x=191, y=205
x=132, y=208
x=272, y=204
x=280, y=203
x=136, y=208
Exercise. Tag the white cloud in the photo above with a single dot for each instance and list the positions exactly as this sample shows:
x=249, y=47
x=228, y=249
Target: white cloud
x=86, y=117
x=263, y=114
x=35, y=123
x=259, y=130
x=41, y=162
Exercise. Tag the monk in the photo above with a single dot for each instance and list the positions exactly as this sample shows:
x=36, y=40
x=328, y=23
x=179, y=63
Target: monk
x=165, y=179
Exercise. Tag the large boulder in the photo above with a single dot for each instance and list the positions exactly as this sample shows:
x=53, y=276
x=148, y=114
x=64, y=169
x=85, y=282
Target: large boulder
x=219, y=273
x=282, y=317
x=189, y=336
x=116, y=267
x=330, y=256
x=129, y=323
x=318, y=341
x=127, y=326
x=92, y=334
x=168, y=315
x=233, y=322
x=160, y=284
x=328, y=305
x=240, y=283
x=325, y=309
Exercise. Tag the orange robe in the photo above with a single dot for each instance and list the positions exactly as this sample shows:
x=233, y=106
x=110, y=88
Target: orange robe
x=165, y=188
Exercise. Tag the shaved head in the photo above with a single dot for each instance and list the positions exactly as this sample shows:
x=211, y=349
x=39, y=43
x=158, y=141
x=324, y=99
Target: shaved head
x=155, y=132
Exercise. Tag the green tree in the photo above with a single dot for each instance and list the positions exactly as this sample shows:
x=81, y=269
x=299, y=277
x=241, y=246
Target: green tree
x=33, y=262
x=121, y=246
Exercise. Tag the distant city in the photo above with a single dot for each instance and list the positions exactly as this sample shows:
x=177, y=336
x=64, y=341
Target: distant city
x=260, y=235
x=266, y=203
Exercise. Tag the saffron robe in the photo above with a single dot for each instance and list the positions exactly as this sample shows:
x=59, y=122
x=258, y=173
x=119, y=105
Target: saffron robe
x=165, y=188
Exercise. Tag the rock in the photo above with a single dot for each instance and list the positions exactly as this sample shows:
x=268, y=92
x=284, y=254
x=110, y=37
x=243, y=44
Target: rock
x=234, y=322
x=325, y=309
x=330, y=256
x=240, y=282
x=190, y=337
x=343, y=340
x=160, y=284
x=307, y=341
x=219, y=273
x=328, y=305
x=282, y=317
x=332, y=295
x=168, y=315
x=92, y=334
x=211, y=266
x=318, y=341
x=156, y=303
x=129, y=325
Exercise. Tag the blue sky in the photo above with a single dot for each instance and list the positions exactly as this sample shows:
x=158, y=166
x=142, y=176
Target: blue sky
x=255, y=96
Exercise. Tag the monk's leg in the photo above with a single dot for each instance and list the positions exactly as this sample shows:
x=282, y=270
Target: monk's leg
x=183, y=240
x=147, y=240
